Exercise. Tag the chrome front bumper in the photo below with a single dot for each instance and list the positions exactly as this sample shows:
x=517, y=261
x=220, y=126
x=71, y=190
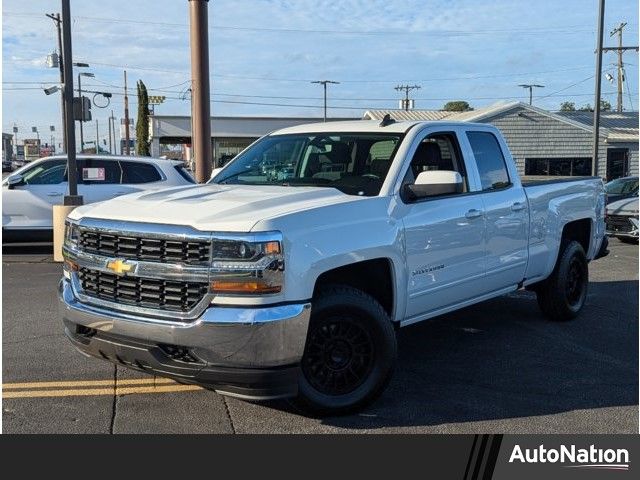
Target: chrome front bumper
x=248, y=352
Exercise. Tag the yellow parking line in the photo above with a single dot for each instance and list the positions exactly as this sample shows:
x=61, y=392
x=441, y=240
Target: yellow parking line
x=100, y=391
x=87, y=383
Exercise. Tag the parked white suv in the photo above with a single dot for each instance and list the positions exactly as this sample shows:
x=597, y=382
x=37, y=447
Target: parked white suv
x=28, y=195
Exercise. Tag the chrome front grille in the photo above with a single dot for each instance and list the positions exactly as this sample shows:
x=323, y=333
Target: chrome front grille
x=147, y=249
x=170, y=295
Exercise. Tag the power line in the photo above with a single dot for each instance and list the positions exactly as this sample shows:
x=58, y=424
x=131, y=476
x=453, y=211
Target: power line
x=342, y=99
x=560, y=30
x=471, y=76
x=628, y=91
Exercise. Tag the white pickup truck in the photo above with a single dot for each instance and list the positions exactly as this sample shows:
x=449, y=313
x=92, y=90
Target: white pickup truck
x=288, y=274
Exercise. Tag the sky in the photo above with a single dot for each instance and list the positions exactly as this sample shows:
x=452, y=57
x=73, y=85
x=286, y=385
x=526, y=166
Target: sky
x=265, y=53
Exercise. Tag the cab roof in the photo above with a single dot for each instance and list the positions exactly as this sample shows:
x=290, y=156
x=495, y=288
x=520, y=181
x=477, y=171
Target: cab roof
x=361, y=126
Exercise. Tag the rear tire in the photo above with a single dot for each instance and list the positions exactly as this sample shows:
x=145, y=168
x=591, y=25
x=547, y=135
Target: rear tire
x=562, y=296
x=349, y=354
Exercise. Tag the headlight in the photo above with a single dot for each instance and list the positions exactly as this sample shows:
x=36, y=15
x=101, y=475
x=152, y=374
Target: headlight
x=244, y=251
x=247, y=265
x=71, y=234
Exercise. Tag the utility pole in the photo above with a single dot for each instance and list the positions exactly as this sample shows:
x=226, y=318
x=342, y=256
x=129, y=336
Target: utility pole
x=620, y=49
x=97, y=138
x=126, y=116
x=530, y=87
x=112, y=121
x=407, y=88
x=81, y=108
x=324, y=84
x=58, y=22
x=109, y=122
x=201, y=132
x=598, y=76
x=72, y=199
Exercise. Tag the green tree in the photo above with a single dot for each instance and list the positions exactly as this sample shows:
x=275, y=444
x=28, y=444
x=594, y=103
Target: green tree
x=142, y=125
x=567, y=107
x=605, y=106
x=457, y=106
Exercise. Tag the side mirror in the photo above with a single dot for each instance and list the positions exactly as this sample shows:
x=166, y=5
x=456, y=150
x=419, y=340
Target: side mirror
x=433, y=183
x=14, y=180
x=215, y=172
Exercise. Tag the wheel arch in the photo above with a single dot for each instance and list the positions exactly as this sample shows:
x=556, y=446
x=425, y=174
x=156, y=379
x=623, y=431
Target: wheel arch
x=376, y=277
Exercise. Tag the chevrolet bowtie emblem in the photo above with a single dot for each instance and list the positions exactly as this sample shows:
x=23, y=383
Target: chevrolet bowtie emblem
x=119, y=267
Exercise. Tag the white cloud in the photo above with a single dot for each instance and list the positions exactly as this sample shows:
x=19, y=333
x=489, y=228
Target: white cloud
x=427, y=46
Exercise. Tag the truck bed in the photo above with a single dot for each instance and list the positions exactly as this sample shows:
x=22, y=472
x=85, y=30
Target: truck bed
x=531, y=181
x=554, y=203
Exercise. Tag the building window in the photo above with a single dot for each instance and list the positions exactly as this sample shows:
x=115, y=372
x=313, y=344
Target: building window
x=226, y=149
x=560, y=167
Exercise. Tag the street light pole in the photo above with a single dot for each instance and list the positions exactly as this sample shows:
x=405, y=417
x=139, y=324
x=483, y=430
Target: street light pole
x=72, y=198
x=56, y=19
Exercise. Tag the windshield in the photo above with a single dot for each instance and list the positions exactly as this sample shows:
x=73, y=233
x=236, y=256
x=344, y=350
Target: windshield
x=354, y=163
x=622, y=186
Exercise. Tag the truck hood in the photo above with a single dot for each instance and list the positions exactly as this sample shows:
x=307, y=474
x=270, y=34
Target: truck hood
x=223, y=208
x=626, y=206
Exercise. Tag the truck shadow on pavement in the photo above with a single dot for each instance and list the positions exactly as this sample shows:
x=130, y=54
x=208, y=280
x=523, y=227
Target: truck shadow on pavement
x=502, y=359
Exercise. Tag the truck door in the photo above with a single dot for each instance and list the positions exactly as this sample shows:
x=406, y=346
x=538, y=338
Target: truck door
x=506, y=211
x=444, y=234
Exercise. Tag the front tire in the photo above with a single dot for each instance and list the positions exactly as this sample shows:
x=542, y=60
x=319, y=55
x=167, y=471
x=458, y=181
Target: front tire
x=349, y=354
x=562, y=296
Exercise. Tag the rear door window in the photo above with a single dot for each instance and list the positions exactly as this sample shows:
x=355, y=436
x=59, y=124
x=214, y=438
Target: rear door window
x=99, y=171
x=139, y=172
x=489, y=160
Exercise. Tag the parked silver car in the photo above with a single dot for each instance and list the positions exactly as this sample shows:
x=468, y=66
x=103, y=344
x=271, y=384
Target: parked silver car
x=622, y=219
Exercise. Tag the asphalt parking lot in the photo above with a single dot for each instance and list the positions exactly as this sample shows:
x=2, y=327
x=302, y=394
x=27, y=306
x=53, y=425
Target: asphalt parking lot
x=497, y=367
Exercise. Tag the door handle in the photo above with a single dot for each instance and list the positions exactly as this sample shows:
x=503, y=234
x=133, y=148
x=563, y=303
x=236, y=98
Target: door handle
x=473, y=213
x=121, y=193
x=516, y=207
x=54, y=194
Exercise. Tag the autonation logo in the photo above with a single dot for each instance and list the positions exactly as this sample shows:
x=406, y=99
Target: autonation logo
x=573, y=457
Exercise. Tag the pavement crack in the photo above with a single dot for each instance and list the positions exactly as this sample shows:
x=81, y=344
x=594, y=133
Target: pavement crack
x=114, y=403
x=226, y=409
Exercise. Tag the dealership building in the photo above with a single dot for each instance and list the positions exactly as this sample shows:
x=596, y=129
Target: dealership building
x=543, y=143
